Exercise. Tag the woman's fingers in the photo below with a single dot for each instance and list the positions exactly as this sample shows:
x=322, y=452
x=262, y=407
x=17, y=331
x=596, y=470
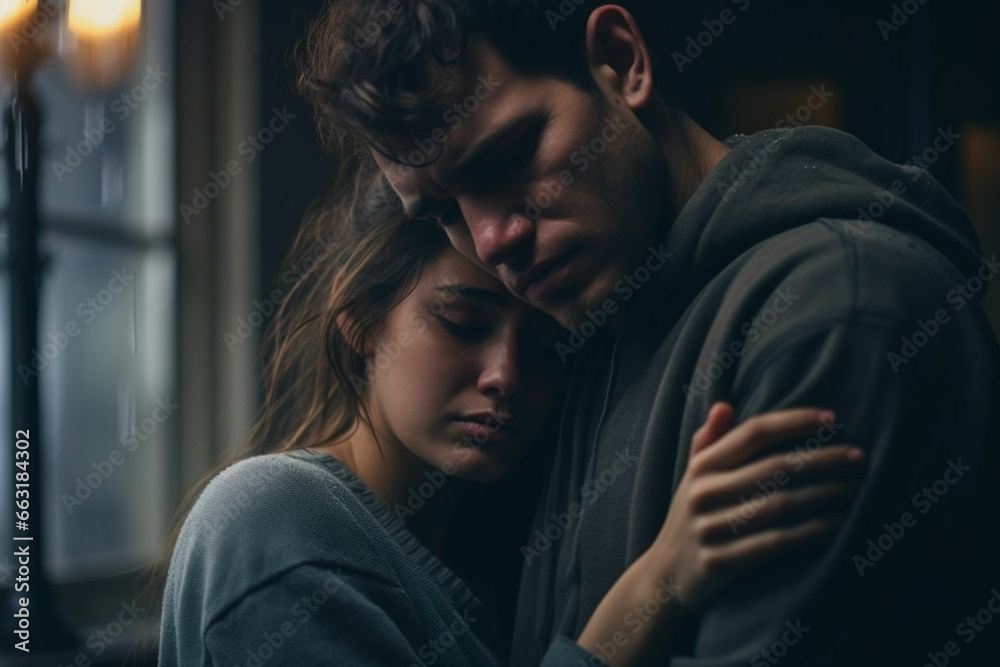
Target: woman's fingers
x=774, y=472
x=757, y=433
x=782, y=508
x=718, y=421
x=734, y=558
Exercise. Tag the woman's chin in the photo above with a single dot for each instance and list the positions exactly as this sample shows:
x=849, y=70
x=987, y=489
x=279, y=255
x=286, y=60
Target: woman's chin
x=483, y=463
x=482, y=469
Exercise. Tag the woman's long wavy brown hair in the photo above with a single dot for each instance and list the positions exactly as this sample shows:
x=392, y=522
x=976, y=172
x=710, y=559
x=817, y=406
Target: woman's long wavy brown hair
x=361, y=256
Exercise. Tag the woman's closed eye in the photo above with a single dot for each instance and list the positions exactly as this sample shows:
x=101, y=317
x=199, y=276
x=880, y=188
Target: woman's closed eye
x=465, y=332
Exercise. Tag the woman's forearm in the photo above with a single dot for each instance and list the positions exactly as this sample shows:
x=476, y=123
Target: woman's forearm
x=638, y=618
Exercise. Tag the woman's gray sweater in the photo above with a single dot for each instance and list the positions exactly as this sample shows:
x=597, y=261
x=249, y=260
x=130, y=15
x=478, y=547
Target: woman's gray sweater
x=289, y=559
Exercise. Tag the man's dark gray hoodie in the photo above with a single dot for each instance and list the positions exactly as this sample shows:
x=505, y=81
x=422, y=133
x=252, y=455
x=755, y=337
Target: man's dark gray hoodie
x=804, y=271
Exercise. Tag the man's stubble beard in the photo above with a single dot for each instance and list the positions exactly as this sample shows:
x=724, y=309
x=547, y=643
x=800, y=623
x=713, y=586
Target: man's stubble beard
x=634, y=209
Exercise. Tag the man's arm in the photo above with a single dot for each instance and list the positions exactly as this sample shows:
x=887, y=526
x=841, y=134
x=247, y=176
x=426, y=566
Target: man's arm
x=896, y=580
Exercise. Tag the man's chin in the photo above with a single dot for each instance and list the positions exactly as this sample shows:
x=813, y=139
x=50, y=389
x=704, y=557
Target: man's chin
x=596, y=311
x=581, y=301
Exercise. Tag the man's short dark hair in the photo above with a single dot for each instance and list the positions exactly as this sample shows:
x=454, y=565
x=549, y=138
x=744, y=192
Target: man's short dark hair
x=366, y=65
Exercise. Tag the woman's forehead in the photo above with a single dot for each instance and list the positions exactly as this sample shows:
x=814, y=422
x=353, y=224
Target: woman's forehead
x=451, y=267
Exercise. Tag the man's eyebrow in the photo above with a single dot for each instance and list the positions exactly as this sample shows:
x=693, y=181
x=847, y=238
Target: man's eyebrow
x=488, y=296
x=494, y=140
x=419, y=206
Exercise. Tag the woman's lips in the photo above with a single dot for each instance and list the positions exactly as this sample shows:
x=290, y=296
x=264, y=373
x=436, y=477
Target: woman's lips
x=496, y=431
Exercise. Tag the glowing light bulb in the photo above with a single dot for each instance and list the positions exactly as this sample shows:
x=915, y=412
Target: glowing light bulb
x=13, y=13
x=18, y=46
x=103, y=18
x=107, y=35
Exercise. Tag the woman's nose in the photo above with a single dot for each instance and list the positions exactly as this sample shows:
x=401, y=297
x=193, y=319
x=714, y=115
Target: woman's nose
x=501, y=372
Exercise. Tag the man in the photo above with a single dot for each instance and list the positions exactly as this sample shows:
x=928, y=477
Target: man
x=793, y=267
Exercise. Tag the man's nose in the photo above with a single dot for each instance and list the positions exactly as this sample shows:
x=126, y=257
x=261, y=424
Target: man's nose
x=496, y=232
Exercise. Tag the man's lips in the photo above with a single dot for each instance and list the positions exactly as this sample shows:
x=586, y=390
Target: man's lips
x=543, y=278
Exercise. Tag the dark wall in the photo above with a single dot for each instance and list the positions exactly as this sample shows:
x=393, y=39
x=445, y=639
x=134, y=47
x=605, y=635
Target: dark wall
x=295, y=171
x=938, y=67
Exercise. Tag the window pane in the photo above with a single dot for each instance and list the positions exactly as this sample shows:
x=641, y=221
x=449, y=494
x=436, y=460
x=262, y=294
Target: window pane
x=106, y=340
x=108, y=157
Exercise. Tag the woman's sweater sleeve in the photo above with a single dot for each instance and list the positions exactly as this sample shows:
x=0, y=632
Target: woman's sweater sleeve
x=313, y=615
x=564, y=652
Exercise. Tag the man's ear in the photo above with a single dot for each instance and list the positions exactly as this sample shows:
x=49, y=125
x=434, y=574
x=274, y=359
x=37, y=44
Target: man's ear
x=618, y=57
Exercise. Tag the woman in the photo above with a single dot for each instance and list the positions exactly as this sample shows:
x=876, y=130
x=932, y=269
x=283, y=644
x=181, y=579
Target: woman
x=329, y=546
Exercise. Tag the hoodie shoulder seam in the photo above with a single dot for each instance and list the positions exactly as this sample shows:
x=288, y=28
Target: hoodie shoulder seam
x=851, y=255
x=875, y=318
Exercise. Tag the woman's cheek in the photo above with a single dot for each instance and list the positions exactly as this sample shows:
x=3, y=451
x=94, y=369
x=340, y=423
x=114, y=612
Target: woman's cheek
x=419, y=323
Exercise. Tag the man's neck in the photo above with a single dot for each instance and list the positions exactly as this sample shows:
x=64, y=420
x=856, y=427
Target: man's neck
x=691, y=153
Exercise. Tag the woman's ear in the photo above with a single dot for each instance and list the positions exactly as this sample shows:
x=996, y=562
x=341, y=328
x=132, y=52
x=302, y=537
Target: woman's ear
x=348, y=327
x=619, y=59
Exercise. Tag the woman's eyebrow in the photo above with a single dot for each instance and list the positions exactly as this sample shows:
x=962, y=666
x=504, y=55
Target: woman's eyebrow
x=488, y=296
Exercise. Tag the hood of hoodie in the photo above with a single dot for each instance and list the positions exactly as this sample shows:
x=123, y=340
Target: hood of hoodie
x=776, y=180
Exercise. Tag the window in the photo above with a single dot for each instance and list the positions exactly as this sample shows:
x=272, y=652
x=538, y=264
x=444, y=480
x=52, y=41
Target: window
x=107, y=321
